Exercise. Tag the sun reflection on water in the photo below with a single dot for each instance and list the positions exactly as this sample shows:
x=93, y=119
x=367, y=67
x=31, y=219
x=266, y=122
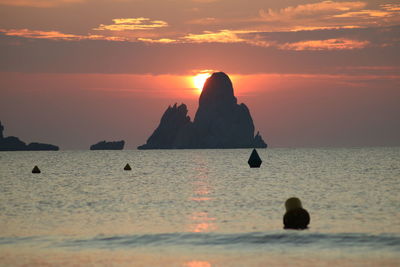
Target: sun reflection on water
x=200, y=221
x=197, y=264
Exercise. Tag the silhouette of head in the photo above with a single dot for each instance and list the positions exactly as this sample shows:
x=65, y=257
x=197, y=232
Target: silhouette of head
x=292, y=204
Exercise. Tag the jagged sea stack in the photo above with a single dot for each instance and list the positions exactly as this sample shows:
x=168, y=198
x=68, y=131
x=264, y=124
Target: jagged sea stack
x=220, y=122
x=174, y=131
x=254, y=160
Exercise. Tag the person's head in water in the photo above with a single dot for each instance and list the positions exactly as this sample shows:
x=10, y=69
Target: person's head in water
x=293, y=203
x=295, y=217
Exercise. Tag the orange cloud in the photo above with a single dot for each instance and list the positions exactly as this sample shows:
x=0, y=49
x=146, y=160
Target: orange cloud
x=123, y=24
x=223, y=36
x=325, y=7
x=329, y=44
x=391, y=7
x=314, y=28
x=364, y=13
x=330, y=14
x=161, y=41
x=228, y=36
x=39, y=3
x=56, y=35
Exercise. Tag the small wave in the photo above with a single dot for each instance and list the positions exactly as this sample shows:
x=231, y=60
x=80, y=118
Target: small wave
x=258, y=239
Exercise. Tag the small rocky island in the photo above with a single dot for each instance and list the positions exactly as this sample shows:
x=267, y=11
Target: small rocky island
x=220, y=122
x=12, y=143
x=103, y=145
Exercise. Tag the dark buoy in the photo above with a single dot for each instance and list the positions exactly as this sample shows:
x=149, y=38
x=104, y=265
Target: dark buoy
x=295, y=217
x=254, y=160
x=127, y=167
x=36, y=169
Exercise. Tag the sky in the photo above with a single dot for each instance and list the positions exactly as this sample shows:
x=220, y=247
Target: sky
x=313, y=73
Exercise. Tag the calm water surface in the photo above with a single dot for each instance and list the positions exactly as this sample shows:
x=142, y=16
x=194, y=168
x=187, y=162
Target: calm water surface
x=199, y=208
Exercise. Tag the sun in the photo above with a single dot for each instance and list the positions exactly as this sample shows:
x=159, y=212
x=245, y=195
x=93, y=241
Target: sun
x=199, y=80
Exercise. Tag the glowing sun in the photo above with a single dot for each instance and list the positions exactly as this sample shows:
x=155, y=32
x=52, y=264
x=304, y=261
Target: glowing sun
x=199, y=80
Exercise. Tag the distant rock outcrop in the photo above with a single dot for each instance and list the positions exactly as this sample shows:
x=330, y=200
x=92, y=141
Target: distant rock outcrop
x=219, y=122
x=12, y=143
x=39, y=146
x=103, y=145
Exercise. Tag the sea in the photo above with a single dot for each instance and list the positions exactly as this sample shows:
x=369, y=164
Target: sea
x=199, y=208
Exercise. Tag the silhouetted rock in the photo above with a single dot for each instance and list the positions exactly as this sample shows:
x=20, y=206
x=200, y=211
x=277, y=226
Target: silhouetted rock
x=173, y=131
x=12, y=143
x=1, y=131
x=103, y=145
x=258, y=141
x=295, y=217
x=219, y=122
x=254, y=160
x=40, y=146
x=127, y=167
x=36, y=170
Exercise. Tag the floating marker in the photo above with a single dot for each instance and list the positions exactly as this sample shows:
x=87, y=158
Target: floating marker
x=36, y=169
x=254, y=160
x=127, y=167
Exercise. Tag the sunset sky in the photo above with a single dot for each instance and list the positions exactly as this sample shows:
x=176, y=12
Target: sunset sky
x=313, y=73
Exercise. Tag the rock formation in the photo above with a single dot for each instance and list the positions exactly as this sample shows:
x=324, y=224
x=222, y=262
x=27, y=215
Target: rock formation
x=220, y=122
x=38, y=146
x=103, y=145
x=175, y=130
x=12, y=143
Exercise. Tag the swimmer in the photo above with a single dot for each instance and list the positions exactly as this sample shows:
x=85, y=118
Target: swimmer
x=295, y=217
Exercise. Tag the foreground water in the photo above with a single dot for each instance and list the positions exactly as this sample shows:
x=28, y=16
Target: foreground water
x=199, y=208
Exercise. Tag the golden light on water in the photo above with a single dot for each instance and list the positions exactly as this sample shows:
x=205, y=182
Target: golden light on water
x=197, y=264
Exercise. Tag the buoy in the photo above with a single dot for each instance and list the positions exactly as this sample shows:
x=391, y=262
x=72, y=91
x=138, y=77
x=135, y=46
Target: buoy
x=127, y=167
x=36, y=169
x=254, y=160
